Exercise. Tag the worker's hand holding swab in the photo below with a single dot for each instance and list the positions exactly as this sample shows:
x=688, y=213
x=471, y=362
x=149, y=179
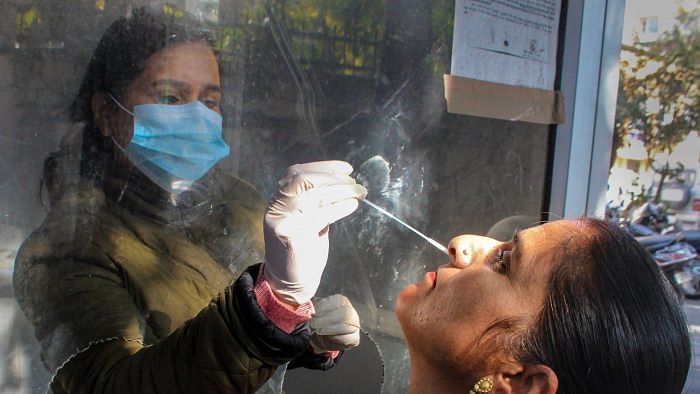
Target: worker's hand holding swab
x=310, y=198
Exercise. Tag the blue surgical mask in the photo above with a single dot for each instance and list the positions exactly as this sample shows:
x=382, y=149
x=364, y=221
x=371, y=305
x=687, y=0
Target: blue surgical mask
x=175, y=145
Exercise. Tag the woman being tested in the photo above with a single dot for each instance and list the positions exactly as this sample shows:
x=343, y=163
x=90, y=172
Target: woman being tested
x=135, y=281
x=567, y=307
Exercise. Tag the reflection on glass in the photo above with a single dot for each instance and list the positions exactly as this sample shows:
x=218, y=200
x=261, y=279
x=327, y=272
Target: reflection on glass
x=305, y=80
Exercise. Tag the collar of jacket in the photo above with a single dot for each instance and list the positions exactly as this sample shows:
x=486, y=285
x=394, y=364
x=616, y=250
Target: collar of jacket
x=138, y=195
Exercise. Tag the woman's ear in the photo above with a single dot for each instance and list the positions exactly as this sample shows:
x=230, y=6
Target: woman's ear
x=526, y=379
x=101, y=112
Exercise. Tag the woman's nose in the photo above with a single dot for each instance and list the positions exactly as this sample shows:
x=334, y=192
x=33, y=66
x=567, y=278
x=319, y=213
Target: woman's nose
x=467, y=249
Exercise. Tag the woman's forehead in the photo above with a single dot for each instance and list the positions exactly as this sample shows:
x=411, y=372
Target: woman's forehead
x=190, y=62
x=541, y=249
x=557, y=230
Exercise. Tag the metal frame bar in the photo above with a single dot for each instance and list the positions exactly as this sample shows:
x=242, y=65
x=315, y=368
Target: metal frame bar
x=605, y=115
x=590, y=72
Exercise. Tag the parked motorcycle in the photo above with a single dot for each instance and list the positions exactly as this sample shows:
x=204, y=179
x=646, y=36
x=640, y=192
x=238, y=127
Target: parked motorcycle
x=654, y=218
x=675, y=253
x=677, y=259
x=693, y=238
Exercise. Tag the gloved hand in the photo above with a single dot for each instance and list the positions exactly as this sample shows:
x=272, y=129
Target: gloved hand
x=310, y=198
x=335, y=325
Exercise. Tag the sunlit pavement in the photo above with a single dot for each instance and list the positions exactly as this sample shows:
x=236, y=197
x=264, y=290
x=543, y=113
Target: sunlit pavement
x=692, y=312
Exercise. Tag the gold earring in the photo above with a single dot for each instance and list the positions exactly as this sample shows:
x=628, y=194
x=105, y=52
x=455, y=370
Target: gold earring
x=484, y=385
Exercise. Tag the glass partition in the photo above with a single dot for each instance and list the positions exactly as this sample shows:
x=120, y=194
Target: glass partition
x=304, y=80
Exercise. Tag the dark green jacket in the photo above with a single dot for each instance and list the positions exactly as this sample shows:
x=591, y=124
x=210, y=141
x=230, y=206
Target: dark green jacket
x=128, y=295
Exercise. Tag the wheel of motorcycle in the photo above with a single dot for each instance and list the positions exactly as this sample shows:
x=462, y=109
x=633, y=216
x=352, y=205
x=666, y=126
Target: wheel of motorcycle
x=691, y=291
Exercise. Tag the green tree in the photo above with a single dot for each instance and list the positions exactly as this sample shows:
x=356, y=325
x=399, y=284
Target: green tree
x=659, y=89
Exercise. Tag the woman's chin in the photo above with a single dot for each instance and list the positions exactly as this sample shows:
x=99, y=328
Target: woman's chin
x=405, y=303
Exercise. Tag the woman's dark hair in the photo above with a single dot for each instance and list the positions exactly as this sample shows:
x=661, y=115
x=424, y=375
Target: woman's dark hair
x=119, y=57
x=612, y=322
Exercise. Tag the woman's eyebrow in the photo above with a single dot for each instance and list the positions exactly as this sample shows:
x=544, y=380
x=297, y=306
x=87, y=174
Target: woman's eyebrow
x=177, y=84
x=211, y=87
x=516, y=237
x=515, y=250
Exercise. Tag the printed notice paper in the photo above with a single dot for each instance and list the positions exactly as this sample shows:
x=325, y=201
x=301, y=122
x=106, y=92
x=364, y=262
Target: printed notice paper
x=512, y=42
x=504, y=55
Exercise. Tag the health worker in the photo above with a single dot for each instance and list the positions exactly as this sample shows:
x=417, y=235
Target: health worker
x=145, y=275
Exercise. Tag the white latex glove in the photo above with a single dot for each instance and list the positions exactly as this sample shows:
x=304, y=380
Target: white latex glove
x=335, y=325
x=311, y=197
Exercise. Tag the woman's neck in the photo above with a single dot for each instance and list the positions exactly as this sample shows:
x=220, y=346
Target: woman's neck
x=426, y=377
